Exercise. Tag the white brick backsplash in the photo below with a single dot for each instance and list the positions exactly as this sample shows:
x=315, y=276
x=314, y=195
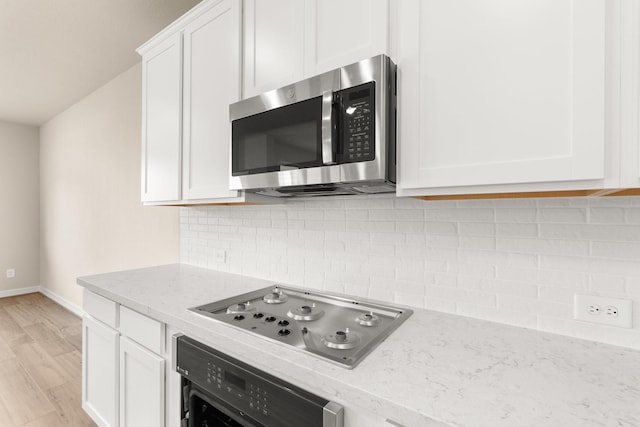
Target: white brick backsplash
x=553, y=202
x=534, y=306
x=608, y=284
x=383, y=238
x=505, y=272
x=463, y=295
x=515, y=261
x=625, y=250
x=439, y=304
x=556, y=294
x=609, y=266
x=632, y=215
x=591, y=231
x=564, y=263
x=335, y=214
x=606, y=215
x=512, y=287
x=516, y=215
x=566, y=279
x=560, y=247
x=496, y=315
x=442, y=228
x=477, y=229
x=460, y=214
x=409, y=227
x=517, y=230
x=477, y=242
x=570, y=215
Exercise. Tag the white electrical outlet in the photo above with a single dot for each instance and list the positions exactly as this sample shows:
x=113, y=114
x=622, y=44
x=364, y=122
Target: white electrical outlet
x=608, y=311
x=11, y=273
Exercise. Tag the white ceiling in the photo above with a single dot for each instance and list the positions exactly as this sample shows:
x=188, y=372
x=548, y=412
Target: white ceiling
x=55, y=52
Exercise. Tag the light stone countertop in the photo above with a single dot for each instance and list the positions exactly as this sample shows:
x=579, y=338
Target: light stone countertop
x=435, y=369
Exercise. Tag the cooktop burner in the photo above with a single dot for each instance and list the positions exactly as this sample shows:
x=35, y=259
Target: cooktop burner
x=336, y=327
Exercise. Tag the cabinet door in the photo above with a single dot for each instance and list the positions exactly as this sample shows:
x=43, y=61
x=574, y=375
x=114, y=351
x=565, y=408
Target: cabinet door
x=161, y=117
x=630, y=92
x=212, y=48
x=339, y=32
x=495, y=92
x=141, y=386
x=100, y=372
x=273, y=44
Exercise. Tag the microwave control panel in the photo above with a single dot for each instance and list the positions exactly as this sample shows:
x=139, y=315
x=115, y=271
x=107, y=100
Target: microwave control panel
x=358, y=115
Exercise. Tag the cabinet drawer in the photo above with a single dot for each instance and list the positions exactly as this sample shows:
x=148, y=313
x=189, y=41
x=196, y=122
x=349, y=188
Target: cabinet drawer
x=142, y=329
x=100, y=308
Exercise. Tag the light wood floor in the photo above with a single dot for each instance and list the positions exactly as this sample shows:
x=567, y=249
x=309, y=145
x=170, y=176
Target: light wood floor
x=40, y=364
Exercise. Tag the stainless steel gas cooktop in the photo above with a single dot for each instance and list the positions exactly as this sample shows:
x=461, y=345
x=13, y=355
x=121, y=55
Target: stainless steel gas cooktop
x=339, y=328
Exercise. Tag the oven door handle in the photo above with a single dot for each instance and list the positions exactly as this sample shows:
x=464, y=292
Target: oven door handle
x=328, y=134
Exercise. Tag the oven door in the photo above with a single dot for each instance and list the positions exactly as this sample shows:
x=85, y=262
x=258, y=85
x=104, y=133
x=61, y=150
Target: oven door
x=286, y=137
x=204, y=409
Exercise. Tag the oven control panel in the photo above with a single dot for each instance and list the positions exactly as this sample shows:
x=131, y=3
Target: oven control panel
x=247, y=392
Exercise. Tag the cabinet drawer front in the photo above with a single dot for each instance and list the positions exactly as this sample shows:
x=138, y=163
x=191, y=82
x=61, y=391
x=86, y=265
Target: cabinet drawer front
x=100, y=308
x=142, y=329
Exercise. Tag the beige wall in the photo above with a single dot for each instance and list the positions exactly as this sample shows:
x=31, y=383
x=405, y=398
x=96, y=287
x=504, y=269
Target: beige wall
x=19, y=194
x=91, y=217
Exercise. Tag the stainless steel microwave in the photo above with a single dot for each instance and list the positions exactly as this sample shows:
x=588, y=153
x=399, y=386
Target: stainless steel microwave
x=332, y=134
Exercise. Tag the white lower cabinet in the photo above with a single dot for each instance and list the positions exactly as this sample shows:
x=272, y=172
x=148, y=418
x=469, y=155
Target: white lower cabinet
x=123, y=368
x=100, y=372
x=141, y=386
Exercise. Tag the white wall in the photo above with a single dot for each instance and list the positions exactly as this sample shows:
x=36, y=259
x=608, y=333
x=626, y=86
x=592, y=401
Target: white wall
x=19, y=191
x=513, y=261
x=91, y=217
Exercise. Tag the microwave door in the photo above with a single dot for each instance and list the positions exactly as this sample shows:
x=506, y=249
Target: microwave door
x=286, y=138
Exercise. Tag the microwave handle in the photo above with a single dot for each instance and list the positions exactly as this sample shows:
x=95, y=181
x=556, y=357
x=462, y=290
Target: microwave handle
x=328, y=153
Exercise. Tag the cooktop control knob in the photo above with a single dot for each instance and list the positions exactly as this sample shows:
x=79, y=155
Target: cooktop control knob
x=238, y=317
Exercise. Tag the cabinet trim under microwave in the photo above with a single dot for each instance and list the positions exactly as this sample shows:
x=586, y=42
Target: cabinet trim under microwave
x=331, y=134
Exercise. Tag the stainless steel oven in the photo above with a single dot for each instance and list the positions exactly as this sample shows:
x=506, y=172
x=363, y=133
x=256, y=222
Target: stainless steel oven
x=334, y=133
x=218, y=390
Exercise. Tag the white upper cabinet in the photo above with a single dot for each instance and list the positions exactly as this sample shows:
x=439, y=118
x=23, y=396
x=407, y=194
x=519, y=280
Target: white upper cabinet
x=341, y=32
x=191, y=73
x=289, y=40
x=212, y=46
x=629, y=15
x=161, y=112
x=494, y=93
x=273, y=44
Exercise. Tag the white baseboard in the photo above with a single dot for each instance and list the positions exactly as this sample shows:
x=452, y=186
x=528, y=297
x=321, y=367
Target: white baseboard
x=63, y=302
x=46, y=292
x=20, y=291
